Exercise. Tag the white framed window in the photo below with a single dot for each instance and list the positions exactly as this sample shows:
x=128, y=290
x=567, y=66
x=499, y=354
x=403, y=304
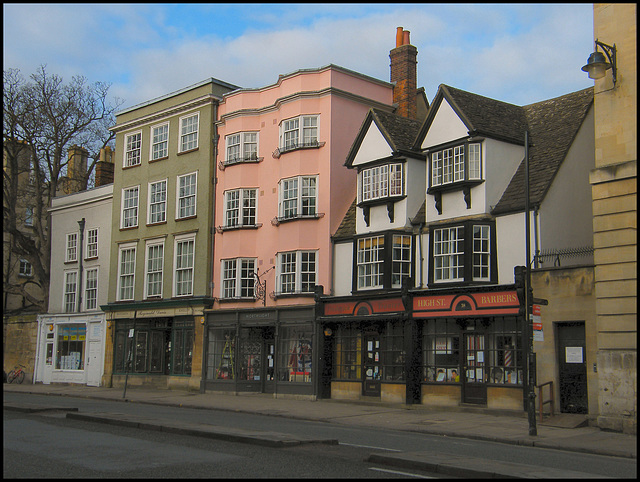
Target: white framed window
x=455, y=164
x=91, y=289
x=154, y=266
x=72, y=248
x=187, y=191
x=26, y=269
x=381, y=182
x=130, y=207
x=299, y=131
x=458, y=163
x=370, y=262
x=159, y=141
x=238, y=279
x=126, y=272
x=298, y=197
x=132, y=149
x=242, y=146
x=296, y=272
x=240, y=208
x=70, y=291
x=448, y=254
x=401, y=262
x=475, y=165
x=481, y=253
x=157, y=211
x=189, y=132
x=92, y=243
x=184, y=256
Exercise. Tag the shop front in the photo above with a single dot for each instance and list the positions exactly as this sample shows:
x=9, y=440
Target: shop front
x=366, y=342
x=156, y=346
x=267, y=350
x=70, y=349
x=472, y=348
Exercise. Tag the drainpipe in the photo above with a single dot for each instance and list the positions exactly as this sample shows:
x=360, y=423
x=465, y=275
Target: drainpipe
x=421, y=255
x=79, y=288
x=536, y=251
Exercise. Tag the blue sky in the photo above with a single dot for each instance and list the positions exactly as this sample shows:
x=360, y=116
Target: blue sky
x=517, y=53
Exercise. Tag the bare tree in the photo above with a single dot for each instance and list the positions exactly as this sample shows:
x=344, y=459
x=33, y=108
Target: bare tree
x=42, y=118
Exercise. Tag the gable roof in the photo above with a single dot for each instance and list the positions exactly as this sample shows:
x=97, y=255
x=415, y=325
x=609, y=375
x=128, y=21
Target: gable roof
x=481, y=115
x=399, y=132
x=347, y=228
x=553, y=125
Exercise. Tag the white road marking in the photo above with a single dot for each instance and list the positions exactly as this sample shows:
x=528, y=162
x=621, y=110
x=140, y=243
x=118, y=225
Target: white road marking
x=369, y=447
x=397, y=472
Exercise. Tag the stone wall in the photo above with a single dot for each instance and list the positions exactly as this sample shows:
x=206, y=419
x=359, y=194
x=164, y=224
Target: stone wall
x=19, y=343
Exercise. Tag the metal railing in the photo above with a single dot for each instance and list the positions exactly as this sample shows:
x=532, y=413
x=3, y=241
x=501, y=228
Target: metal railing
x=543, y=402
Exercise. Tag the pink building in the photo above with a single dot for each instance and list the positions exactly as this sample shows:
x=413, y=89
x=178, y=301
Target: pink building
x=282, y=190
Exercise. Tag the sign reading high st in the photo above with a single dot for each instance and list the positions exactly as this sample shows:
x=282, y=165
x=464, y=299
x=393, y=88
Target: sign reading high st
x=467, y=304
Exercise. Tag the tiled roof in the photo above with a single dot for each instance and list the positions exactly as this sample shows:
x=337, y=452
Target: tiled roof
x=487, y=117
x=399, y=131
x=347, y=228
x=553, y=125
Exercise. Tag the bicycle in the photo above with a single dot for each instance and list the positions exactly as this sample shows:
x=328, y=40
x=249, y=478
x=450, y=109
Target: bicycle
x=16, y=374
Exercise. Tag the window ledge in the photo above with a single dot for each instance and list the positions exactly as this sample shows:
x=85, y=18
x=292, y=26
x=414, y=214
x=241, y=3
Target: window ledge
x=297, y=294
x=277, y=220
x=239, y=299
x=151, y=161
x=283, y=150
x=188, y=151
x=381, y=201
x=224, y=164
x=453, y=186
x=222, y=229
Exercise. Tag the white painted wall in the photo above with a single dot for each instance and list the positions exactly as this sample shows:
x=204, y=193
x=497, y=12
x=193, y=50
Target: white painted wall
x=342, y=269
x=511, y=245
x=374, y=146
x=566, y=219
x=500, y=161
x=445, y=127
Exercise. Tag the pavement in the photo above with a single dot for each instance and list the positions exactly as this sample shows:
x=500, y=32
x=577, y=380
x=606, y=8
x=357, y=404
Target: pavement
x=565, y=432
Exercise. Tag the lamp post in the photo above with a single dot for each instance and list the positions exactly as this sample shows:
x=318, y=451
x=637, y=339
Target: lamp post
x=530, y=358
x=81, y=225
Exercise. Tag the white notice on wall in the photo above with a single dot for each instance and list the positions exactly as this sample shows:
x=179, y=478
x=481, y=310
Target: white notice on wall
x=573, y=354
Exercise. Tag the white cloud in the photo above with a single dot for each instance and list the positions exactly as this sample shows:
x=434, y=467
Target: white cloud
x=517, y=53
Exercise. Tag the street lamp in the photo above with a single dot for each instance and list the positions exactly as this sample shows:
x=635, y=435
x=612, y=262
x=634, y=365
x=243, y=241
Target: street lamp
x=597, y=64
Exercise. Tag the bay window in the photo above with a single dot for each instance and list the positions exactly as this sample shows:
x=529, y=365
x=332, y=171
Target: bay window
x=456, y=164
x=299, y=132
x=298, y=197
x=240, y=208
x=381, y=182
x=242, y=146
x=238, y=280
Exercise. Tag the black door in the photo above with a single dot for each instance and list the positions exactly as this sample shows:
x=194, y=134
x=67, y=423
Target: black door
x=473, y=376
x=371, y=362
x=572, y=368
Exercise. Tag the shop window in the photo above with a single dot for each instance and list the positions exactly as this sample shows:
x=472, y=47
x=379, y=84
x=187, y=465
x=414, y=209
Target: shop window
x=71, y=346
x=221, y=354
x=441, y=351
x=392, y=353
x=504, y=353
x=250, y=362
x=294, y=362
x=347, y=354
x=152, y=350
x=182, y=348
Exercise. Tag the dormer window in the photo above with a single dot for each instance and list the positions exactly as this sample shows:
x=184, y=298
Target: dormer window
x=456, y=164
x=381, y=182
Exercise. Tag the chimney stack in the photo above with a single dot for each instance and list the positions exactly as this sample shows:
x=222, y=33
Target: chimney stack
x=404, y=75
x=75, y=180
x=104, y=167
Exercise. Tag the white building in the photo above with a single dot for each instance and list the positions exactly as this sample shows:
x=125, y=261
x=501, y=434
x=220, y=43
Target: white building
x=71, y=336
